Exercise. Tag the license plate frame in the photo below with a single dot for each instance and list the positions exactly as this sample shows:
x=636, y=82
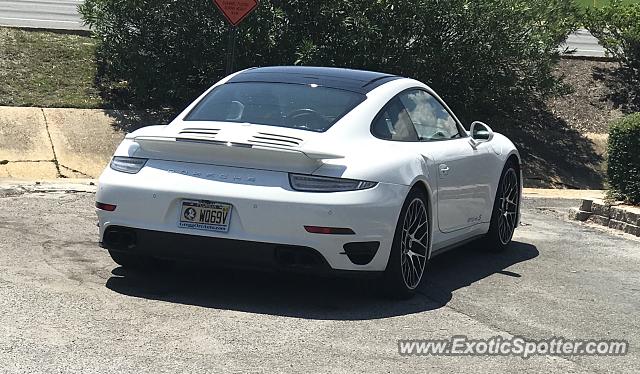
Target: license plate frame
x=204, y=215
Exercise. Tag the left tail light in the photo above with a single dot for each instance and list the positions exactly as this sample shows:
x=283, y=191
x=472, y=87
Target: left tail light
x=129, y=165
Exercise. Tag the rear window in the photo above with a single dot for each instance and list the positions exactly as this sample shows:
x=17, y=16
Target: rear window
x=306, y=107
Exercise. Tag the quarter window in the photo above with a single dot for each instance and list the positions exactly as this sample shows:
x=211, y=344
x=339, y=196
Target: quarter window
x=430, y=118
x=394, y=123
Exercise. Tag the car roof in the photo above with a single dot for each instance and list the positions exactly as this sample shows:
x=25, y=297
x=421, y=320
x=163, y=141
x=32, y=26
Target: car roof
x=360, y=81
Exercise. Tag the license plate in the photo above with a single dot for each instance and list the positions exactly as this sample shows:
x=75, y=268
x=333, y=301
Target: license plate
x=205, y=215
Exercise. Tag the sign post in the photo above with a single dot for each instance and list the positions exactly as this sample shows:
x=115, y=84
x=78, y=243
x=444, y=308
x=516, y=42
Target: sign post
x=235, y=11
x=231, y=50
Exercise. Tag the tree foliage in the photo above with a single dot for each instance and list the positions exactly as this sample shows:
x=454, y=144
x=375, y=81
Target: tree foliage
x=617, y=27
x=481, y=55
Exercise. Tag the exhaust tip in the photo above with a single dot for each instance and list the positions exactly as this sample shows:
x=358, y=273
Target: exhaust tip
x=298, y=257
x=120, y=239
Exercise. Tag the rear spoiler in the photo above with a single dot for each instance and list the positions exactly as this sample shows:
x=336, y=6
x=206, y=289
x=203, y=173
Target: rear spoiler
x=310, y=152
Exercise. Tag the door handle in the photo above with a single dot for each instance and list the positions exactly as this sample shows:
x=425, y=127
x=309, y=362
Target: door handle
x=444, y=170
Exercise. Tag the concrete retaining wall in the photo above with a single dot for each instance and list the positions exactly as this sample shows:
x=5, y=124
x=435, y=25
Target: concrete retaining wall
x=38, y=143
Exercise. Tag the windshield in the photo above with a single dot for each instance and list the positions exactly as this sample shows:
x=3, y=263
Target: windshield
x=306, y=107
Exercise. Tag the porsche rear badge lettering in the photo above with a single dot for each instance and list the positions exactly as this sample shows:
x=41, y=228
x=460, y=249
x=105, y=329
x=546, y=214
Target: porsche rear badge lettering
x=222, y=177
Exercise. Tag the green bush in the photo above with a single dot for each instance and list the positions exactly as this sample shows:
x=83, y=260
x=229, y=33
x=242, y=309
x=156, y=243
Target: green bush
x=617, y=27
x=624, y=158
x=483, y=55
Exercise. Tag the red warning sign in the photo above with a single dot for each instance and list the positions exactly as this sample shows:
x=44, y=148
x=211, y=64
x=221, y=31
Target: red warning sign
x=236, y=10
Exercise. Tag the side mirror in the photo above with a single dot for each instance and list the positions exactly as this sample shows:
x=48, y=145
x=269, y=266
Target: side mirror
x=481, y=133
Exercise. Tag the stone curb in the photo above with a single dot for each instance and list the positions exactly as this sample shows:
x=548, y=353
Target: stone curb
x=612, y=215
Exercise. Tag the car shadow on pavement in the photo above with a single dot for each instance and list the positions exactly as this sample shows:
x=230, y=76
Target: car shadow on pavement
x=311, y=297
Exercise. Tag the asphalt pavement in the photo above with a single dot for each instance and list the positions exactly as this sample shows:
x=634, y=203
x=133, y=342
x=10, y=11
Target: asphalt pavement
x=45, y=14
x=66, y=307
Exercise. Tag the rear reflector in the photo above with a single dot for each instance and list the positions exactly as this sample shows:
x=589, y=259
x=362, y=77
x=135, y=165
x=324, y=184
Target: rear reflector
x=329, y=230
x=107, y=207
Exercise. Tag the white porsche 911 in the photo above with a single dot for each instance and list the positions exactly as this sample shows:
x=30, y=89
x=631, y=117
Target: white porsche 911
x=314, y=170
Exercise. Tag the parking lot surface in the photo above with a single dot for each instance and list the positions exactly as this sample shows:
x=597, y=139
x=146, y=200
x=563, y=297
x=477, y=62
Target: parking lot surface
x=66, y=307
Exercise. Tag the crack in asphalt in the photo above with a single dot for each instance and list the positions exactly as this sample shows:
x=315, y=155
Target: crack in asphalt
x=55, y=162
x=75, y=171
x=53, y=148
x=59, y=166
x=446, y=305
x=489, y=325
x=8, y=192
x=5, y=162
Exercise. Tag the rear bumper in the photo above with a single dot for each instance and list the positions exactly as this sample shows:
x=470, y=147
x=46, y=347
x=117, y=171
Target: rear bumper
x=222, y=252
x=266, y=214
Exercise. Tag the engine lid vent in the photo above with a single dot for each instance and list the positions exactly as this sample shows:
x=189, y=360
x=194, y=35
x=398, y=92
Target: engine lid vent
x=206, y=133
x=275, y=139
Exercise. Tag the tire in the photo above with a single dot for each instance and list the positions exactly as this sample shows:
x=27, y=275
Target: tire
x=405, y=268
x=506, y=207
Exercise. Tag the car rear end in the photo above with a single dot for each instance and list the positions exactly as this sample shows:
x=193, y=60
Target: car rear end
x=240, y=193
x=258, y=218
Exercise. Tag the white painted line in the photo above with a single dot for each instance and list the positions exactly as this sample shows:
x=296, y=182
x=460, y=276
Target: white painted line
x=38, y=20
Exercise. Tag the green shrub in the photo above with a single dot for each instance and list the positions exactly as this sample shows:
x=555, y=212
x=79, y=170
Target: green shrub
x=624, y=158
x=479, y=54
x=617, y=27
